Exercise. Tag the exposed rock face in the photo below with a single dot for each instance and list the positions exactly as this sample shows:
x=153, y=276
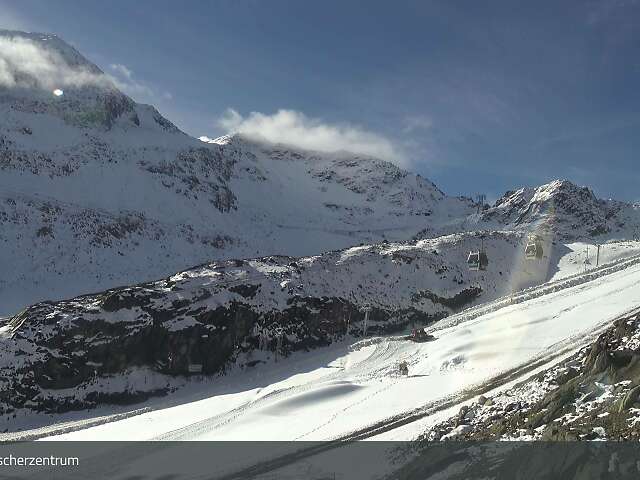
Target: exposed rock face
x=66, y=346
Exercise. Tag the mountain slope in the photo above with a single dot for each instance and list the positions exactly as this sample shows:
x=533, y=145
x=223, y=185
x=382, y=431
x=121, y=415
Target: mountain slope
x=97, y=190
x=592, y=395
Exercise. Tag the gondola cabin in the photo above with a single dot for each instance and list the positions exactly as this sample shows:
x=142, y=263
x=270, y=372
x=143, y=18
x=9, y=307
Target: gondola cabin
x=477, y=260
x=534, y=249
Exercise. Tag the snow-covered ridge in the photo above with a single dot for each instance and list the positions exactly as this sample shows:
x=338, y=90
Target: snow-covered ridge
x=229, y=315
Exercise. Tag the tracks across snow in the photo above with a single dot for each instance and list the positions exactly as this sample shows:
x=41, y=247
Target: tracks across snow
x=518, y=374
x=68, y=427
x=358, y=370
x=535, y=292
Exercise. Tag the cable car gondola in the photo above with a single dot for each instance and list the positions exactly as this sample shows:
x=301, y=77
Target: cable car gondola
x=477, y=260
x=533, y=249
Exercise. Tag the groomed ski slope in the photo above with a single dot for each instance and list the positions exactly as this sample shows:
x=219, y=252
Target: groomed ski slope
x=332, y=393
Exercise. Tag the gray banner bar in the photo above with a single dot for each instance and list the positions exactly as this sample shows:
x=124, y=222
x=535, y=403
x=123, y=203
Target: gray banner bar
x=319, y=461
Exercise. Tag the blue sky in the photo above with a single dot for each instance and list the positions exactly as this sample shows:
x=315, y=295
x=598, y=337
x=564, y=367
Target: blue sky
x=477, y=96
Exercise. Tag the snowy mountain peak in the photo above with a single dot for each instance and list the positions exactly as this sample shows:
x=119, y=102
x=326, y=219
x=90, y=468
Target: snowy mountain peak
x=41, y=74
x=542, y=199
x=222, y=140
x=35, y=61
x=561, y=187
x=52, y=43
x=565, y=209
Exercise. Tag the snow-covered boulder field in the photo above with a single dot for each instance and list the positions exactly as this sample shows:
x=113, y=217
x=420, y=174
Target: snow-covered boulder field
x=592, y=395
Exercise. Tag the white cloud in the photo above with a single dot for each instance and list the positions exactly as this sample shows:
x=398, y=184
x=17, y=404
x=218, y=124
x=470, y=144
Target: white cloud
x=122, y=70
x=25, y=63
x=123, y=77
x=294, y=128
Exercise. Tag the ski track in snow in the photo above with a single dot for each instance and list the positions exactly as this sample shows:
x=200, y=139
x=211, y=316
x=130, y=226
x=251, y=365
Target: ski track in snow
x=554, y=354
